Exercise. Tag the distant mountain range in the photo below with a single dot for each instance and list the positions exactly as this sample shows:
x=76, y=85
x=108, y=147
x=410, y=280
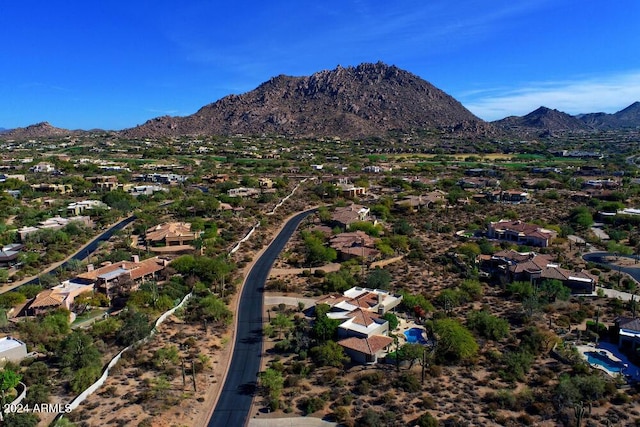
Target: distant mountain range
x=546, y=119
x=351, y=102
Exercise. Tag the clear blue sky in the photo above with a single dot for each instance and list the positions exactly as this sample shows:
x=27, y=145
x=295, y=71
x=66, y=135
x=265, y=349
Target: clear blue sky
x=115, y=64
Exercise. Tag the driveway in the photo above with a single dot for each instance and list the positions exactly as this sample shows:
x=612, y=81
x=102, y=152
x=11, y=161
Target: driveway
x=293, y=301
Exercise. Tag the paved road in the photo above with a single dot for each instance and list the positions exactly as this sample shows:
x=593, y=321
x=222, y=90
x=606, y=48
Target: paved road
x=599, y=258
x=240, y=385
x=80, y=255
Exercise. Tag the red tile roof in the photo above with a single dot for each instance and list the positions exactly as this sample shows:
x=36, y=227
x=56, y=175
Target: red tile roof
x=371, y=345
x=47, y=298
x=363, y=317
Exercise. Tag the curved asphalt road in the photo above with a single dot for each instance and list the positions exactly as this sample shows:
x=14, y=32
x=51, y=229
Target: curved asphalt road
x=240, y=385
x=79, y=255
x=599, y=258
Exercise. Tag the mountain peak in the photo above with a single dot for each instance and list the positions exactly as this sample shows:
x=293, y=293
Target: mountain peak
x=370, y=99
x=38, y=130
x=545, y=119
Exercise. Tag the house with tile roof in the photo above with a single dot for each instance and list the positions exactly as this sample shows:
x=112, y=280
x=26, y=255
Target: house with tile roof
x=363, y=331
x=428, y=200
x=345, y=216
x=124, y=276
x=521, y=233
x=366, y=350
x=512, y=266
x=355, y=244
x=61, y=296
x=171, y=234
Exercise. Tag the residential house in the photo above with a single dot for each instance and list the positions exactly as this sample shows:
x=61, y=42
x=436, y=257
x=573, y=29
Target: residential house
x=104, y=182
x=12, y=350
x=507, y=196
x=171, y=234
x=61, y=296
x=372, y=300
x=363, y=330
x=4, y=177
x=146, y=190
x=43, y=167
x=345, y=216
x=217, y=178
x=512, y=266
x=541, y=183
x=429, y=200
x=9, y=254
x=243, y=192
x=477, y=182
x=55, y=223
x=353, y=245
x=52, y=188
x=123, y=276
x=366, y=350
x=521, y=233
x=514, y=196
x=265, y=183
x=161, y=178
x=349, y=190
x=628, y=331
x=77, y=208
x=372, y=169
x=481, y=172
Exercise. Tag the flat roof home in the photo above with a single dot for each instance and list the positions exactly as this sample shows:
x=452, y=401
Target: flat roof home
x=12, y=349
x=76, y=208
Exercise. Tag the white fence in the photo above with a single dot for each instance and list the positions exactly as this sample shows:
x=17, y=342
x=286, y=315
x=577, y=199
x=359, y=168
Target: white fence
x=253, y=229
x=10, y=407
x=95, y=386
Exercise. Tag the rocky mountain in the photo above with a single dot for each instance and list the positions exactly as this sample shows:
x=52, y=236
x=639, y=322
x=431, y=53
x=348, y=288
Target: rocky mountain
x=39, y=130
x=353, y=102
x=626, y=118
x=543, y=119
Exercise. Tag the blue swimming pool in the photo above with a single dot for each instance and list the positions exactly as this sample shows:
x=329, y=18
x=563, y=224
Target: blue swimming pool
x=601, y=359
x=415, y=335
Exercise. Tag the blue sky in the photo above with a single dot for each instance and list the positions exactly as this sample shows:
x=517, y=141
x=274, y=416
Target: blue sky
x=115, y=64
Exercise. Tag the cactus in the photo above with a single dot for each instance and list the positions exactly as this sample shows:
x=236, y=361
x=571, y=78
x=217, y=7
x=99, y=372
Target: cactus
x=579, y=411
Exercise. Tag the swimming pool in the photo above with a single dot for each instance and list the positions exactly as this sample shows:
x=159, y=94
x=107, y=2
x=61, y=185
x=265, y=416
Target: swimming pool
x=414, y=335
x=602, y=359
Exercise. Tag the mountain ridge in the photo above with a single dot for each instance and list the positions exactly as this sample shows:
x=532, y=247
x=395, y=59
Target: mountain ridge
x=367, y=100
x=355, y=102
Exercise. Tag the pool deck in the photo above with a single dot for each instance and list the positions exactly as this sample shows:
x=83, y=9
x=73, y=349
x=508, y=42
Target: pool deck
x=611, y=350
